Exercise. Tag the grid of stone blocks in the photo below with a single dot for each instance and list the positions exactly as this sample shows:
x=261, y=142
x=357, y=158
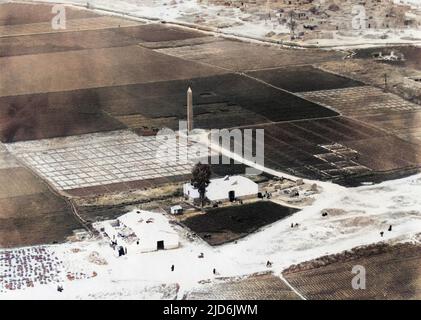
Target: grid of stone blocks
x=101, y=160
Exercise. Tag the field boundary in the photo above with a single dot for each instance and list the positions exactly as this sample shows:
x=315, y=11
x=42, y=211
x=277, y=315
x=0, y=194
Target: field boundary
x=291, y=287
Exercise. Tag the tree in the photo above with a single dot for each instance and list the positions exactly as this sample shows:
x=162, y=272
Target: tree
x=201, y=179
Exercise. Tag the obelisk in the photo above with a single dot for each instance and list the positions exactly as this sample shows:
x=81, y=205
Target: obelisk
x=189, y=109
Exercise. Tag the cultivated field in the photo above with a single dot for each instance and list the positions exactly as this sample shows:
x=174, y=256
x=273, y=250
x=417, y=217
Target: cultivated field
x=338, y=149
x=36, y=29
x=71, y=70
x=105, y=32
x=38, y=108
x=303, y=78
x=405, y=125
x=222, y=101
x=231, y=55
x=38, y=117
x=104, y=80
x=21, y=13
x=254, y=101
x=391, y=273
x=362, y=102
x=30, y=212
x=221, y=225
x=255, y=287
x=105, y=74
x=92, y=161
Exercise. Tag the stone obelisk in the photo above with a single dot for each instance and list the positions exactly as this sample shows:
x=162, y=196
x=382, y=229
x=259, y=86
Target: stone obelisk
x=189, y=110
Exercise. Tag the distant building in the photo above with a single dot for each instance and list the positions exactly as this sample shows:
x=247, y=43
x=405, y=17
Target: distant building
x=140, y=231
x=176, y=209
x=332, y=15
x=225, y=188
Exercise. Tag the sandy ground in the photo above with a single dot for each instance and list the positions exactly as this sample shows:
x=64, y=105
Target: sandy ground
x=392, y=272
x=365, y=212
x=89, y=269
x=235, y=23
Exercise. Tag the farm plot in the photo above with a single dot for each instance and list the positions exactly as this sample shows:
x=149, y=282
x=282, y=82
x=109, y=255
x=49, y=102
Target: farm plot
x=222, y=225
x=25, y=13
x=107, y=36
x=222, y=101
x=240, y=56
x=337, y=149
x=117, y=187
x=255, y=287
x=34, y=29
x=391, y=273
x=154, y=32
x=55, y=114
x=31, y=117
x=206, y=116
x=93, y=33
x=175, y=42
x=63, y=71
x=113, y=161
x=383, y=110
x=405, y=125
x=304, y=78
x=30, y=212
x=219, y=101
x=361, y=101
x=11, y=183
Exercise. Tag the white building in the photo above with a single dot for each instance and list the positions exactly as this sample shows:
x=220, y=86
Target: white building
x=140, y=231
x=223, y=188
x=176, y=209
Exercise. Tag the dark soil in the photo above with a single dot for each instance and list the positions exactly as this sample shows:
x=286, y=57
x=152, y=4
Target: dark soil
x=230, y=223
x=304, y=78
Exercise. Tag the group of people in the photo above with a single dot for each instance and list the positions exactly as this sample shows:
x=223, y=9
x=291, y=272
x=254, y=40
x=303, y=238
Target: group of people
x=382, y=232
x=266, y=195
x=173, y=268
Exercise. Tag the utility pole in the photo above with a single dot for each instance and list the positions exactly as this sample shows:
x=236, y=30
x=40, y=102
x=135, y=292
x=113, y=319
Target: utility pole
x=385, y=82
x=292, y=24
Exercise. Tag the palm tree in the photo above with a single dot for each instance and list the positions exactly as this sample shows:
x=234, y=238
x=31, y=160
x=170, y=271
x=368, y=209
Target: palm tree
x=201, y=179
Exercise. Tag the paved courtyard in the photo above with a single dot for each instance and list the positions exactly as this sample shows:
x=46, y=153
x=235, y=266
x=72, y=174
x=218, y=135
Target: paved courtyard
x=100, y=159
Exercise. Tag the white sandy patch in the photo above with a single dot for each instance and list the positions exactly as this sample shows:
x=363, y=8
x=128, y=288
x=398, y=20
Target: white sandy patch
x=234, y=22
x=365, y=212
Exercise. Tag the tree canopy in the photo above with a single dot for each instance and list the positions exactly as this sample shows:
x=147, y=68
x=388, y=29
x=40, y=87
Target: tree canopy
x=201, y=174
